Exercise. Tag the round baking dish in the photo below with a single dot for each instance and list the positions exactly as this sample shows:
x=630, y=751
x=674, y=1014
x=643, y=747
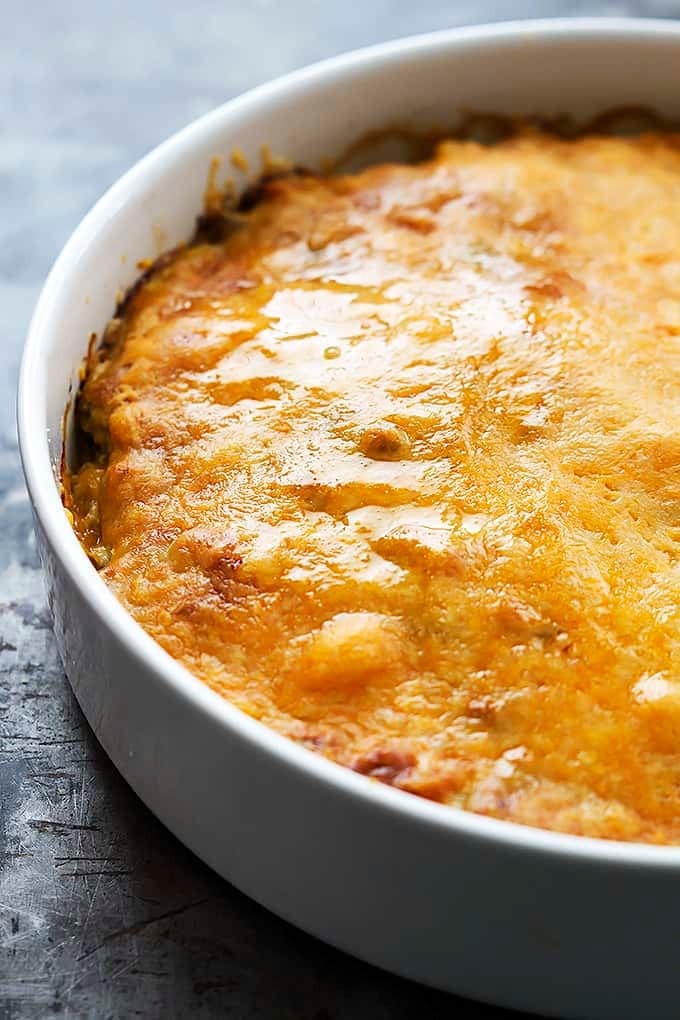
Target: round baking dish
x=510, y=915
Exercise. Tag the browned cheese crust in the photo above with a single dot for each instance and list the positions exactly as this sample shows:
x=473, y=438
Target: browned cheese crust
x=394, y=467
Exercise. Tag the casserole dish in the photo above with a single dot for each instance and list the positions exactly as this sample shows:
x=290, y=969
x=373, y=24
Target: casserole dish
x=549, y=923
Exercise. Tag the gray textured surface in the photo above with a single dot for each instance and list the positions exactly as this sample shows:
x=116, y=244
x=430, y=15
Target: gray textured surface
x=102, y=912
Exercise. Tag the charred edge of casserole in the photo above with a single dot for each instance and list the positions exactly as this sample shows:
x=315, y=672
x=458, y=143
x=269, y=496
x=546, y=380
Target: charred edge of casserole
x=619, y=121
x=214, y=225
x=85, y=448
x=121, y=308
x=492, y=128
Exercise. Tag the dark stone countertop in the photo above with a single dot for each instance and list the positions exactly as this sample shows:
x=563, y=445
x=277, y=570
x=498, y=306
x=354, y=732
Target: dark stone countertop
x=102, y=912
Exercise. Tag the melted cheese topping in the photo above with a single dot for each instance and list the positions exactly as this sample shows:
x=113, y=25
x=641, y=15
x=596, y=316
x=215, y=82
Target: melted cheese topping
x=396, y=469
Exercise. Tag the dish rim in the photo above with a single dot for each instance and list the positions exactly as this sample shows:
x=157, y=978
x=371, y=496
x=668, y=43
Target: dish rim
x=45, y=499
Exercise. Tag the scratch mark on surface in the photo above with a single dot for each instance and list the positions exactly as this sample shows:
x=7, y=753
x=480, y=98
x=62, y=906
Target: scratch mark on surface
x=93, y=874
x=56, y=774
x=59, y=861
x=41, y=743
x=201, y=987
x=91, y=901
x=135, y=929
x=122, y=969
x=35, y=918
x=16, y=936
x=58, y=828
x=45, y=793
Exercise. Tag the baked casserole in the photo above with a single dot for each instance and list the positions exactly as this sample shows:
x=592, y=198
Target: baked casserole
x=391, y=460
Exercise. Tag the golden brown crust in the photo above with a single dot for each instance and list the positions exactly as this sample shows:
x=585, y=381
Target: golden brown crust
x=395, y=466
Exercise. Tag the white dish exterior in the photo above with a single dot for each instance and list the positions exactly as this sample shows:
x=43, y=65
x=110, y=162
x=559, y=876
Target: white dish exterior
x=519, y=917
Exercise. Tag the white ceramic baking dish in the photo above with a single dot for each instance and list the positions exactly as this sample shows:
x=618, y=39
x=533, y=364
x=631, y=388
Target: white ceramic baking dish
x=491, y=910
